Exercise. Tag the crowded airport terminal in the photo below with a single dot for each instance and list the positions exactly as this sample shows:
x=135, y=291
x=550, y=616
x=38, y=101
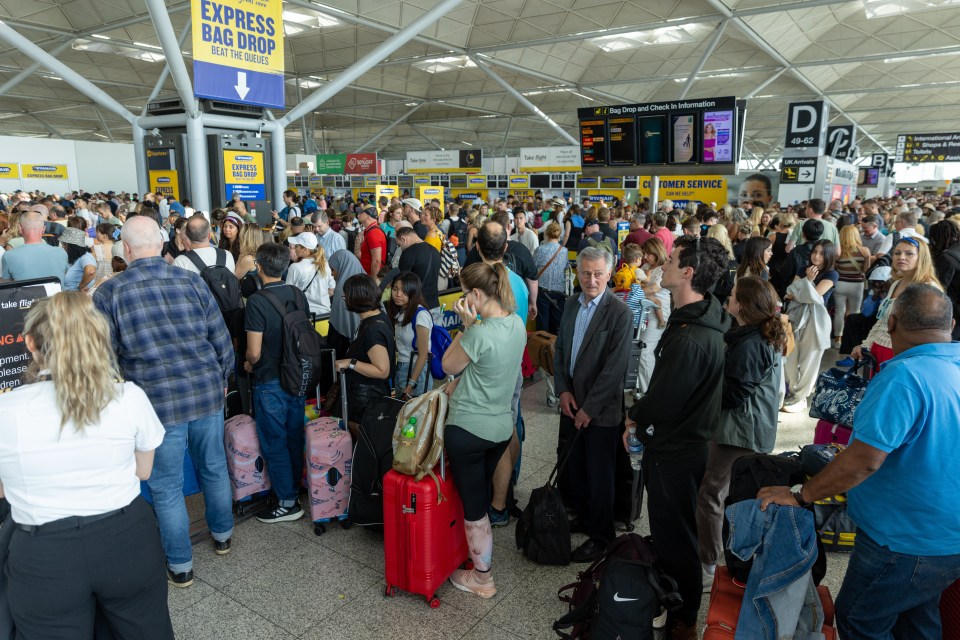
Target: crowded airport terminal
x=479, y=319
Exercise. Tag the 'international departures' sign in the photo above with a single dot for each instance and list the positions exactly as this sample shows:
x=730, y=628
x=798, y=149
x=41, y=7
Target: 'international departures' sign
x=928, y=147
x=238, y=51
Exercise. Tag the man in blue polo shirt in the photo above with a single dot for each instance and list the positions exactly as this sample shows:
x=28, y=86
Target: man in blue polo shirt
x=900, y=470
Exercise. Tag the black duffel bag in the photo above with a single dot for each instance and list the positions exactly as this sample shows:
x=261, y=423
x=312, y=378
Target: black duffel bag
x=543, y=531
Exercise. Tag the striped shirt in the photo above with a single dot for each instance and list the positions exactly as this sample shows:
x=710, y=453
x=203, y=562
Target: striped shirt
x=169, y=337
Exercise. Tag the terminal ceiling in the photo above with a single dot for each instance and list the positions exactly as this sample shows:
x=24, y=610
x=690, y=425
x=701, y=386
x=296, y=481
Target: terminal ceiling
x=890, y=66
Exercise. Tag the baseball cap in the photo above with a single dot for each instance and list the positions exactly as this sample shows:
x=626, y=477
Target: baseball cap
x=413, y=202
x=591, y=221
x=881, y=273
x=306, y=240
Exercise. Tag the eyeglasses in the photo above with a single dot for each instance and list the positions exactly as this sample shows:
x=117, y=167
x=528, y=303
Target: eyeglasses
x=594, y=275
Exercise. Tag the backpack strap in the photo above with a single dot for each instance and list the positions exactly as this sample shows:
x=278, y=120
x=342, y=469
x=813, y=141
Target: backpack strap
x=414, y=345
x=195, y=259
x=274, y=299
x=221, y=257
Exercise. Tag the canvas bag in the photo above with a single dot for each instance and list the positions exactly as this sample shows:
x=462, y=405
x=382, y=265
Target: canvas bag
x=419, y=455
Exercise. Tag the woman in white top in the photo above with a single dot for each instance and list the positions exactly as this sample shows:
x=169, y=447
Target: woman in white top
x=310, y=273
x=410, y=314
x=74, y=447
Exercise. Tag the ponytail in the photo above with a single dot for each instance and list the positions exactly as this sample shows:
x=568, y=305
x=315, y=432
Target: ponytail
x=319, y=260
x=493, y=280
x=775, y=332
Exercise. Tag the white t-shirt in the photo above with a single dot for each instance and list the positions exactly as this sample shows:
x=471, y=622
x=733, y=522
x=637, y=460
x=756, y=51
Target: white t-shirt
x=209, y=257
x=300, y=275
x=404, y=334
x=49, y=473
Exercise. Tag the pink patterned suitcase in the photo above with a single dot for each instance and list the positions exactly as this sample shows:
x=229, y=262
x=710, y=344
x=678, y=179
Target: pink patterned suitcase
x=828, y=433
x=245, y=463
x=329, y=458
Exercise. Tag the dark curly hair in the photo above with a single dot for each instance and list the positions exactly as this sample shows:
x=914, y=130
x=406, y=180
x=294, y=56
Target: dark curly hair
x=943, y=235
x=706, y=256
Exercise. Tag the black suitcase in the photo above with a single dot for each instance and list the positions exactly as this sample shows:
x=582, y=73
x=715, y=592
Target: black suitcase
x=372, y=459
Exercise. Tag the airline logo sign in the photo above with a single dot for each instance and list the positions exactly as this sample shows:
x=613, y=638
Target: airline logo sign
x=44, y=171
x=243, y=174
x=546, y=159
x=166, y=183
x=9, y=171
x=238, y=51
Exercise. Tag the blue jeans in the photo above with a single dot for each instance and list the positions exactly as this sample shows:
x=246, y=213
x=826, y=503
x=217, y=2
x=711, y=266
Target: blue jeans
x=892, y=595
x=280, y=423
x=424, y=382
x=204, y=437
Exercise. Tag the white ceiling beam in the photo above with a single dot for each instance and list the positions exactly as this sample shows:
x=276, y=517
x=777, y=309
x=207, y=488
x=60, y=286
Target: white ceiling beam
x=32, y=68
x=388, y=128
x=425, y=136
x=166, y=70
x=763, y=85
x=707, y=52
x=171, y=50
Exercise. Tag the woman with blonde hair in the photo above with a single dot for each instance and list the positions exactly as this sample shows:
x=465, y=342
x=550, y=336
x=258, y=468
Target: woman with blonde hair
x=251, y=237
x=912, y=264
x=755, y=215
x=852, y=265
x=719, y=232
x=310, y=272
x=480, y=419
x=75, y=445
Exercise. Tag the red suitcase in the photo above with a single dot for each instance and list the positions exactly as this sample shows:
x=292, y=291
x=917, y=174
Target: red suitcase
x=726, y=597
x=950, y=611
x=424, y=541
x=829, y=433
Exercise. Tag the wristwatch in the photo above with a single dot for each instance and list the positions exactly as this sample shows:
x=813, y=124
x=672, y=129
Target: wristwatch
x=353, y=364
x=797, y=491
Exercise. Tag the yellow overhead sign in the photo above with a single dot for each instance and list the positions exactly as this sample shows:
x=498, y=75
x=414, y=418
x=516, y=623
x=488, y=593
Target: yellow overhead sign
x=9, y=171
x=165, y=183
x=44, y=171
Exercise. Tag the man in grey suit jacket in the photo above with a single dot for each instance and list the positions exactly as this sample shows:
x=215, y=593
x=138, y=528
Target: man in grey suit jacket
x=590, y=365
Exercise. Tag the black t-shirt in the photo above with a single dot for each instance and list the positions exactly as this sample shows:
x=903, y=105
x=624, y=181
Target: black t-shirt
x=261, y=316
x=423, y=260
x=832, y=275
x=517, y=258
x=375, y=330
x=421, y=229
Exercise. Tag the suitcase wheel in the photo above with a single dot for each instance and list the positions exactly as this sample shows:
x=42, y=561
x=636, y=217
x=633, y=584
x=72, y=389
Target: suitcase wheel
x=390, y=591
x=319, y=528
x=240, y=509
x=345, y=523
x=552, y=400
x=434, y=602
x=629, y=527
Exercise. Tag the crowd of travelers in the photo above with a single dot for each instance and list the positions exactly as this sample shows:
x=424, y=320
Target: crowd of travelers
x=132, y=361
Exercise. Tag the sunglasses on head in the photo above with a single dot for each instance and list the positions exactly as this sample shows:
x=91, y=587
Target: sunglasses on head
x=910, y=240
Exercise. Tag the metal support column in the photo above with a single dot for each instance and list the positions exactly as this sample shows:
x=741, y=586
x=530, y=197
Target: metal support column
x=140, y=159
x=165, y=73
x=28, y=71
x=711, y=45
x=763, y=85
x=654, y=193
x=103, y=124
x=425, y=137
x=363, y=65
x=523, y=100
x=198, y=167
x=389, y=128
x=69, y=76
x=171, y=50
x=506, y=136
x=278, y=159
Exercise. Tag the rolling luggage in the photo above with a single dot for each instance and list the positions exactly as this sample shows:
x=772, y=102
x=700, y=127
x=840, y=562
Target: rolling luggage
x=328, y=465
x=950, y=611
x=245, y=464
x=830, y=433
x=726, y=599
x=372, y=459
x=424, y=539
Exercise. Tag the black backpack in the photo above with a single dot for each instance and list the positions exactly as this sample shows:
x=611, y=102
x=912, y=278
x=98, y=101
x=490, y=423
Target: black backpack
x=619, y=595
x=222, y=282
x=459, y=229
x=751, y=473
x=543, y=531
x=300, y=359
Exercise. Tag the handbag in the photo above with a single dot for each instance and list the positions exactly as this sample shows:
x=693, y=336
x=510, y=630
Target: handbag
x=839, y=392
x=549, y=262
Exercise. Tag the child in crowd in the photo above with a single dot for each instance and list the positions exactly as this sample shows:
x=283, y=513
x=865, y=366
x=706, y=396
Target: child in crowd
x=628, y=280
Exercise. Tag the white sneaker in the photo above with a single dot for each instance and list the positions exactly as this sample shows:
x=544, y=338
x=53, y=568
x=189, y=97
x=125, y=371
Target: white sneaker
x=797, y=407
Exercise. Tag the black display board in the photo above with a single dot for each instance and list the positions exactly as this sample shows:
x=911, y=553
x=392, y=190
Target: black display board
x=928, y=147
x=16, y=298
x=683, y=136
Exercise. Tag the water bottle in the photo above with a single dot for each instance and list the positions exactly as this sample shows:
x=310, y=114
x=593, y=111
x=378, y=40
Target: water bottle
x=410, y=429
x=634, y=449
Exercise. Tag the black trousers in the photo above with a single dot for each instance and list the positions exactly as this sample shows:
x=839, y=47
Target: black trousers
x=550, y=310
x=672, y=489
x=472, y=463
x=856, y=328
x=61, y=579
x=587, y=482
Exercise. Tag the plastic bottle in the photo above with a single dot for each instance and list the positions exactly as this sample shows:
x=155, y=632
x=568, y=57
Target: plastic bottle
x=634, y=449
x=410, y=429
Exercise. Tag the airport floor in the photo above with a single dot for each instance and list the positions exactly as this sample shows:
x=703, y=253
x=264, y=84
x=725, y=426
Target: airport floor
x=282, y=581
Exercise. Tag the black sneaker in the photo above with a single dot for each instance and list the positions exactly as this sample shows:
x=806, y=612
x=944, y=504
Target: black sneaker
x=221, y=548
x=282, y=514
x=180, y=580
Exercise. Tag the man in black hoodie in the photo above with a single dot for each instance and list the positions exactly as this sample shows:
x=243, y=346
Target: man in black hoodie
x=678, y=415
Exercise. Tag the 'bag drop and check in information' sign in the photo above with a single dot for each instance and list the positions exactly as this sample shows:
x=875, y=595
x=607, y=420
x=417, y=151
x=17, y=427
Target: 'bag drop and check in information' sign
x=238, y=51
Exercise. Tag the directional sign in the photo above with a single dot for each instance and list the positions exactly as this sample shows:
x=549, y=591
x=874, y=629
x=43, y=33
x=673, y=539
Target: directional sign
x=806, y=122
x=805, y=174
x=928, y=147
x=238, y=51
x=798, y=170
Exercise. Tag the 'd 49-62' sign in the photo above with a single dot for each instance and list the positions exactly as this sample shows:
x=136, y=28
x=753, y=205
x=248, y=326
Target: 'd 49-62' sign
x=238, y=51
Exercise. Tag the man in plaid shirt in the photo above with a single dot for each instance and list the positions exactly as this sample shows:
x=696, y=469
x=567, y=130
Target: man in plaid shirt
x=170, y=339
